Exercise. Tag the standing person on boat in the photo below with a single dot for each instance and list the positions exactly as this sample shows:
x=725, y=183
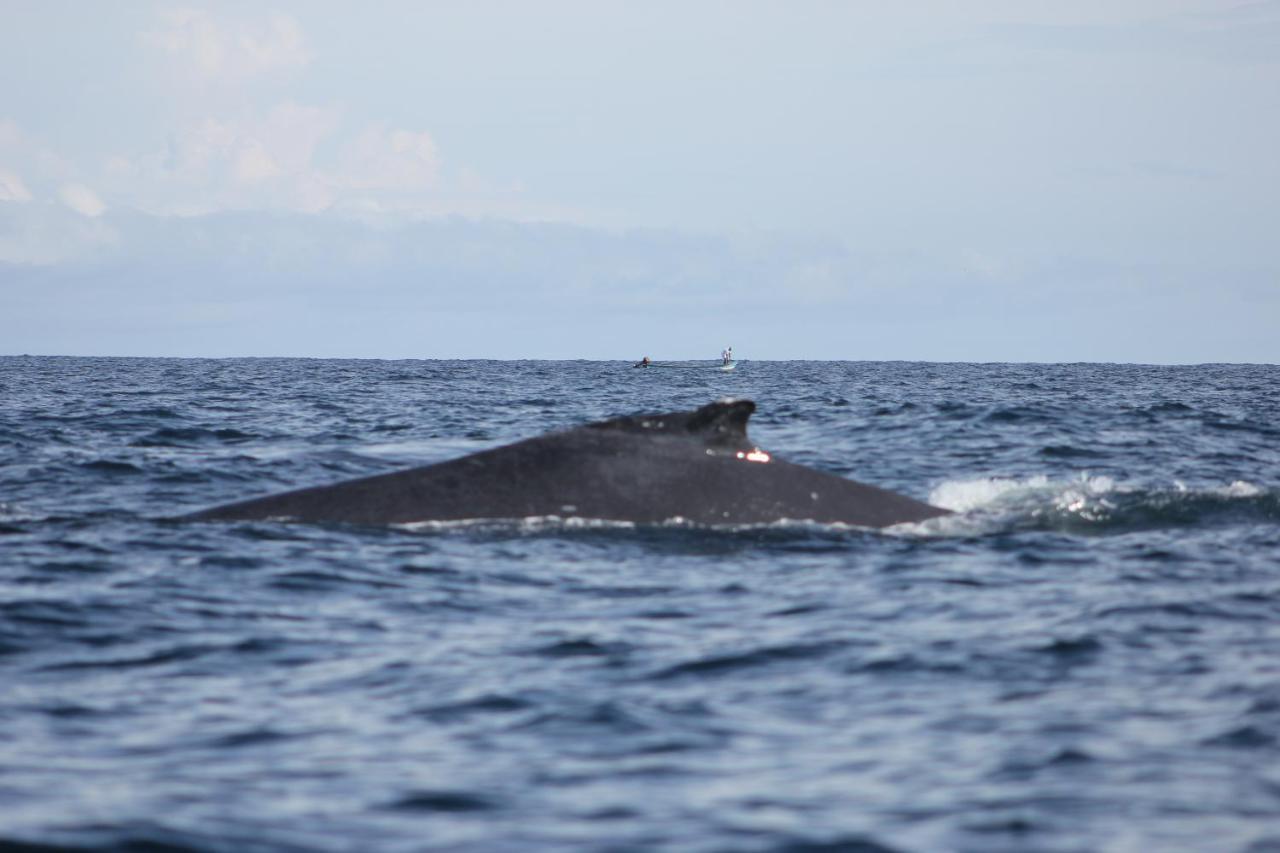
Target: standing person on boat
x=727, y=355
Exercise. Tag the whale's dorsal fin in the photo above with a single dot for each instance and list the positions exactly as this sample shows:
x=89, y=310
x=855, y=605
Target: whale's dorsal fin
x=722, y=424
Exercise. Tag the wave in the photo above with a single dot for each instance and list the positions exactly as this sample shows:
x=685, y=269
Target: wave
x=1093, y=503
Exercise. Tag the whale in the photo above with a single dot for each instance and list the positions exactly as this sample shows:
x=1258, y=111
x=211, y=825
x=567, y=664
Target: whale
x=697, y=467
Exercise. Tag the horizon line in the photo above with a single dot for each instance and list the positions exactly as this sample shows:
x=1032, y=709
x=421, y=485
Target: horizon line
x=630, y=360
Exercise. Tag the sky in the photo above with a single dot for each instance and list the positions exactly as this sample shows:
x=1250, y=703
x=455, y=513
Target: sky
x=997, y=180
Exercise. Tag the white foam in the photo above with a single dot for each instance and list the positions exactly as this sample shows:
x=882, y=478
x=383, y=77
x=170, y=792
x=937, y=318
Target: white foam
x=1240, y=489
x=942, y=526
x=988, y=492
x=966, y=495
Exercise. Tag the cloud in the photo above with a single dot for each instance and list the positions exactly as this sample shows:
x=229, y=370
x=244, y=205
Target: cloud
x=265, y=160
x=250, y=150
x=30, y=168
x=210, y=49
x=232, y=143
x=293, y=157
x=12, y=188
x=231, y=151
x=219, y=285
x=47, y=234
x=382, y=159
x=254, y=164
x=82, y=200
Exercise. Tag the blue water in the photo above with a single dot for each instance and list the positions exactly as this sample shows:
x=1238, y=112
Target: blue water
x=1085, y=657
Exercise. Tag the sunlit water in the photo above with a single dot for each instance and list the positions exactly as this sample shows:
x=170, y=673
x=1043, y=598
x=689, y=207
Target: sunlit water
x=1085, y=657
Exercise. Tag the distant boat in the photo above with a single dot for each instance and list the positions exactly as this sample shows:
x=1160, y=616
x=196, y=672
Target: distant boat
x=691, y=365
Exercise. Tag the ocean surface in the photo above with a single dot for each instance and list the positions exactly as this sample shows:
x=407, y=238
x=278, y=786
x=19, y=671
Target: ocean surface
x=1085, y=658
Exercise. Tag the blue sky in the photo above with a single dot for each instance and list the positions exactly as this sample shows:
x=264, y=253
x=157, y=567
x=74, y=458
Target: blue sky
x=987, y=181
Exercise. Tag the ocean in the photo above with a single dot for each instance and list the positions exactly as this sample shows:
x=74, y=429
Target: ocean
x=1085, y=657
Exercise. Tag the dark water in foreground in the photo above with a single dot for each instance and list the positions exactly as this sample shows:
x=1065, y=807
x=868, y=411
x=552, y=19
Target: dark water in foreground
x=1087, y=657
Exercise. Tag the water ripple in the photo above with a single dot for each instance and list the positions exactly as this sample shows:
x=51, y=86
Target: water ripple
x=1083, y=653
